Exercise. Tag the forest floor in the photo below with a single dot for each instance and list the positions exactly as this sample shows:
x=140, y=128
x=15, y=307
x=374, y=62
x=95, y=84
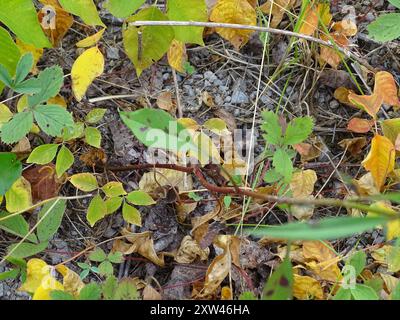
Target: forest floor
x=230, y=78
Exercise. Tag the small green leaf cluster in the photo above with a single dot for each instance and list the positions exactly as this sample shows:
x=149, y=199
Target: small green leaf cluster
x=110, y=289
x=51, y=118
x=281, y=142
x=105, y=267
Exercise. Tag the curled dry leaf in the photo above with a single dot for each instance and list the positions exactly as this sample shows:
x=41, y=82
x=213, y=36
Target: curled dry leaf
x=310, y=21
x=353, y=145
x=302, y=186
x=365, y=186
x=190, y=250
x=55, y=29
x=308, y=151
x=331, y=56
x=72, y=282
x=358, y=125
x=44, y=182
x=164, y=101
x=277, y=9
x=380, y=159
x=141, y=243
x=348, y=26
x=342, y=95
x=165, y=177
x=149, y=293
x=385, y=91
x=234, y=11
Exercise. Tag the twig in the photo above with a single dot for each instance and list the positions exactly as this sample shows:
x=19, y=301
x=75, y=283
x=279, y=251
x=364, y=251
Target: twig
x=329, y=44
x=178, y=98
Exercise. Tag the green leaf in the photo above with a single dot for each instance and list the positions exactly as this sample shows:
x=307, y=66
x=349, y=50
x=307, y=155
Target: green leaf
x=10, y=171
x=183, y=10
x=109, y=287
x=271, y=127
x=11, y=274
x=21, y=17
x=343, y=294
x=85, y=9
x=26, y=249
x=113, y=204
x=396, y=293
x=385, y=28
x=61, y=295
x=115, y=257
x=363, y=292
x=280, y=283
x=52, y=119
x=126, y=291
x=91, y=291
x=24, y=66
x=106, y=268
x=358, y=261
x=97, y=255
x=395, y=3
x=123, y=8
x=17, y=128
x=272, y=176
x=84, y=273
x=155, y=40
x=97, y=210
x=140, y=198
x=158, y=129
x=325, y=229
x=227, y=201
x=54, y=212
x=16, y=225
x=65, y=159
x=30, y=86
x=74, y=132
x=50, y=81
x=283, y=164
x=247, y=295
x=9, y=57
x=298, y=130
x=131, y=214
x=93, y=137
x=95, y=115
x=43, y=154
x=113, y=189
x=84, y=181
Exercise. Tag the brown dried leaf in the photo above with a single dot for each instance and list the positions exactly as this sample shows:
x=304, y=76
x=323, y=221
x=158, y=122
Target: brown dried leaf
x=164, y=101
x=149, y=293
x=190, y=250
x=353, y=145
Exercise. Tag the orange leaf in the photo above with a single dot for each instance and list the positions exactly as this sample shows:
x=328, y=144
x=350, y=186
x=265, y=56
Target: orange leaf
x=371, y=104
x=310, y=20
x=359, y=125
x=331, y=55
x=386, y=86
x=380, y=159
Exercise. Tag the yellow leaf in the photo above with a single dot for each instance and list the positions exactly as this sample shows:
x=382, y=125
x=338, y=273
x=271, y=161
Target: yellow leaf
x=385, y=91
x=392, y=226
x=5, y=114
x=88, y=66
x=72, y=282
x=328, y=270
x=149, y=293
x=177, y=55
x=19, y=197
x=303, y=182
x=312, y=16
x=305, y=287
x=47, y=285
x=380, y=159
x=36, y=270
x=29, y=48
x=165, y=177
x=277, y=8
x=91, y=40
x=238, y=12
x=226, y=293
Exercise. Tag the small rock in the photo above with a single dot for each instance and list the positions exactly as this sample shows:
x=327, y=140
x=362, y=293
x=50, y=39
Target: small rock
x=239, y=97
x=210, y=76
x=166, y=76
x=113, y=53
x=334, y=104
x=228, y=99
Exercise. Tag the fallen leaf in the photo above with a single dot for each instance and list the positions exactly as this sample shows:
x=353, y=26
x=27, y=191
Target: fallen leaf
x=358, y=125
x=308, y=151
x=390, y=282
x=305, y=288
x=29, y=48
x=380, y=159
x=177, y=56
x=365, y=186
x=277, y=9
x=342, y=95
x=310, y=21
x=36, y=270
x=190, y=250
x=19, y=196
x=44, y=182
x=91, y=40
x=303, y=182
x=56, y=27
x=149, y=293
x=72, y=282
x=226, y=293
x=234, y=11
x=164, y=101
x=353, y=145
x=151, y=181
x=88, y=66
x=332, y=56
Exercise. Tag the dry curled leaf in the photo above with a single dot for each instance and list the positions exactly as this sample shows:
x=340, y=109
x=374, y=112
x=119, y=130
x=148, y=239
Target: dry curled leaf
x=149, y=293
x=72, y=282
x=165, y=177
x=238, y=12
x=305, y=288
x=165, y=102
x=353, y=145
x=313, y=14
x=190, y=250
x=277, y=8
